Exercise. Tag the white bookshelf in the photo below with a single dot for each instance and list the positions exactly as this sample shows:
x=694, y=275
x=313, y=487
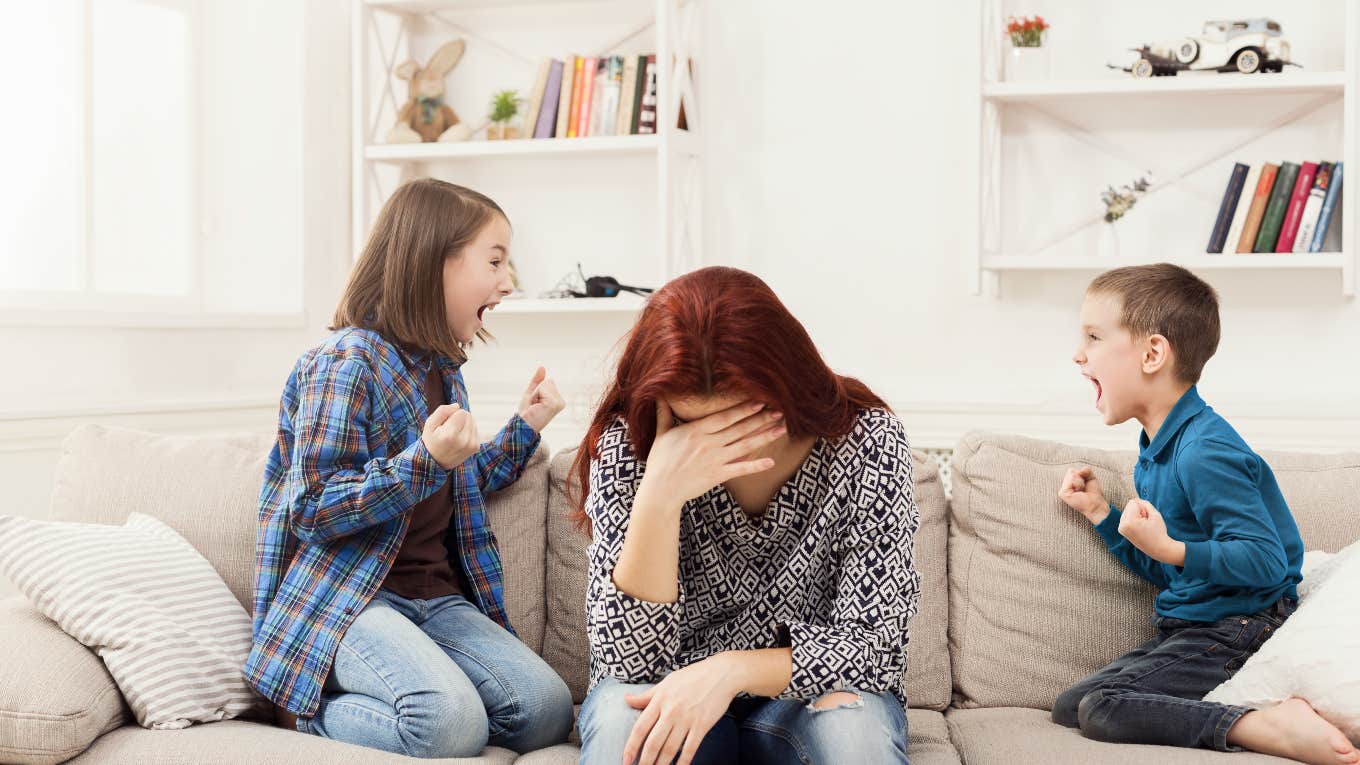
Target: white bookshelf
x=647, y=228
x=1081, y=107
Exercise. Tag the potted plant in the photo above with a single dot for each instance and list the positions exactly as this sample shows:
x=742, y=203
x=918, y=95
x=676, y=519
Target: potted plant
x=1117, y=203
x=504, y=108
x=1027, y=58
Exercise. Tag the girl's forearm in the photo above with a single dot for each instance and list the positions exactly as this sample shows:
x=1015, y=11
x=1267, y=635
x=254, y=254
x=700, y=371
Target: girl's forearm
x=649, y=564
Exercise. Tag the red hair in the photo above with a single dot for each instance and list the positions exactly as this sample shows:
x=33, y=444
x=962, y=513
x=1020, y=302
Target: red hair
x=719, y=331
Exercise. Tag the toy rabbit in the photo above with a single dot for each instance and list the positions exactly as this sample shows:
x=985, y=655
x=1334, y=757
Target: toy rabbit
x=426, y=117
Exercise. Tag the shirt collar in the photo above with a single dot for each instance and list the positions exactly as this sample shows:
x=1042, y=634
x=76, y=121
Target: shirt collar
x=1189, y=405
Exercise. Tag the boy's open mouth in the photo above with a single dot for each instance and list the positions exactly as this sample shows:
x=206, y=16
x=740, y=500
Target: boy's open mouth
x=1096, y=383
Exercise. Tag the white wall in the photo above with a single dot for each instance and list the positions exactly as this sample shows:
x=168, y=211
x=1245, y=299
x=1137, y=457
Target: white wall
x=841, y=165
x=845, y=173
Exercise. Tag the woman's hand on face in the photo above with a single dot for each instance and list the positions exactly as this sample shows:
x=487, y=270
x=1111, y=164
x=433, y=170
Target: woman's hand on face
x=541, y=402
x=687, y=460
x=678, y=712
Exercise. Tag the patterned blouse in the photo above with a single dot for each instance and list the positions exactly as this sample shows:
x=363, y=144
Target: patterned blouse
x=827, y=570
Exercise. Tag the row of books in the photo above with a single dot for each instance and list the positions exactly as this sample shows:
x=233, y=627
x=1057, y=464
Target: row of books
x=593, y=95
x=1277, y=208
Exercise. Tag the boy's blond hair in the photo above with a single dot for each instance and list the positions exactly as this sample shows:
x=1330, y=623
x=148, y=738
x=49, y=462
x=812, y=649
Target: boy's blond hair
x=1167, y=300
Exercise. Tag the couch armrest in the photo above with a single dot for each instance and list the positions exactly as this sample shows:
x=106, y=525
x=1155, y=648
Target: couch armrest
x=56, y=696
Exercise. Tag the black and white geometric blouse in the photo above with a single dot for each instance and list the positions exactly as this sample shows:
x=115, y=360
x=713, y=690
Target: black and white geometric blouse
x=827, y=569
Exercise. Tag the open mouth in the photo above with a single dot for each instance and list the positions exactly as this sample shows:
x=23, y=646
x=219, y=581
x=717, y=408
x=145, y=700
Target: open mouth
x=482, y=311
x=1096, y=383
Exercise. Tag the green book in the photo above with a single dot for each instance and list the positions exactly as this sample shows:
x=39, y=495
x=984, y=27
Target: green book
x=1276, y=207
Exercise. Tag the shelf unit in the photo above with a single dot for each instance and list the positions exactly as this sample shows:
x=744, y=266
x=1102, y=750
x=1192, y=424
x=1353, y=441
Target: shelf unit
x=388, y=32
x=1053, y=99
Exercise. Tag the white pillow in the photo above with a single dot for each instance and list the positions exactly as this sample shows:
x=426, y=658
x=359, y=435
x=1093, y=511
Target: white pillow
x=1313, y=656
x=169, y=630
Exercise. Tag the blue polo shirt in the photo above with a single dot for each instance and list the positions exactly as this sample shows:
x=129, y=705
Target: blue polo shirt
x=1242, y=548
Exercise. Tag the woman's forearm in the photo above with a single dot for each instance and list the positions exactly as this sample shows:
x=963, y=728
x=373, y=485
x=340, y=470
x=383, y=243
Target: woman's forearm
x=762, y=672
x=649, y=563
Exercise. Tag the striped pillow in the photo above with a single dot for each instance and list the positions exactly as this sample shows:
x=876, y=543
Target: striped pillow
x=171, y=633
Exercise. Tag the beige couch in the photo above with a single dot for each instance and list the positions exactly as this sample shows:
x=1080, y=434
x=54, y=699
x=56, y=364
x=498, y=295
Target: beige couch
x=1020, y=600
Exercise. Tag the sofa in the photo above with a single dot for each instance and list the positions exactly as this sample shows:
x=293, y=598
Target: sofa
x=1019, y=600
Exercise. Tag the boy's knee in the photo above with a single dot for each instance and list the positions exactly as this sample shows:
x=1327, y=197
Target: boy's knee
x=1093, y=714
x=1065, y=707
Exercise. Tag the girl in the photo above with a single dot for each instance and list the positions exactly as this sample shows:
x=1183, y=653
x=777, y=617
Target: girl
x=752, y=518
x=379, y=615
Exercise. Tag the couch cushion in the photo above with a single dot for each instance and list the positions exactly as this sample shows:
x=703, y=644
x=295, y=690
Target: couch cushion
x=62, y=699
x=168, y=629
x=566, y=648
x=1007, y=735
x=1030, y=578
x=235, y=741
x=207, y=488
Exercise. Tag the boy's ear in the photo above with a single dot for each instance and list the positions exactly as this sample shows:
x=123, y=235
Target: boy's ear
x=1156, y=354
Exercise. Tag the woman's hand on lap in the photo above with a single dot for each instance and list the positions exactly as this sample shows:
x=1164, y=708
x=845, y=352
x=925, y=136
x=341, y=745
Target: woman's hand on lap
x=679, y=711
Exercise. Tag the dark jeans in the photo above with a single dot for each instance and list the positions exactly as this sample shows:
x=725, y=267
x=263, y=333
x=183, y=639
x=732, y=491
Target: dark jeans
x=1152, y=695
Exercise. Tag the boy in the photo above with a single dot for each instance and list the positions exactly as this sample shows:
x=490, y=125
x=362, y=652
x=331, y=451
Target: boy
x=1210, y=529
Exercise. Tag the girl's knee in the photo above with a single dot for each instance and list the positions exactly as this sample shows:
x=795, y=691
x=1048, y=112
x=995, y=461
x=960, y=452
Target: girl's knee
x=857, y=725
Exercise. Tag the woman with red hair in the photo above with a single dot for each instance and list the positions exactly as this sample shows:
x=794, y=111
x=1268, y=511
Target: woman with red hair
x=752, y=518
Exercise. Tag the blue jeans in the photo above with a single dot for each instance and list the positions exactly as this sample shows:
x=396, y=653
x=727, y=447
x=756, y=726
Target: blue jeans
x=437, y=678
x=759, y=730
x=1152, y=695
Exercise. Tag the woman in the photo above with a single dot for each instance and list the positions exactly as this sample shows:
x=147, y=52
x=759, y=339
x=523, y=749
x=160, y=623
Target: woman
x=752, y=518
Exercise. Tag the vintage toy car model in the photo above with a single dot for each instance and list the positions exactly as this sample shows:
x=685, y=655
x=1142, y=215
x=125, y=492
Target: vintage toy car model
x=1246, y=46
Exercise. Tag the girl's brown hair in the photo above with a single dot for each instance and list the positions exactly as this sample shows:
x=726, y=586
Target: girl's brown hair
x=397, y=286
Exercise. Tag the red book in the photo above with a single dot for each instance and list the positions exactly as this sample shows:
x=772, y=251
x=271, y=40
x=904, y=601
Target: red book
x=587, y=92
x=1290, y=228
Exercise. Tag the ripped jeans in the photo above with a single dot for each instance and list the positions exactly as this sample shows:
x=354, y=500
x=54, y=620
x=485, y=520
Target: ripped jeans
x=872, y=729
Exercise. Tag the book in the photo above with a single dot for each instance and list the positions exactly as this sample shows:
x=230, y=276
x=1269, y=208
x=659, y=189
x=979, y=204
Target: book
x=611, y=80
x=536, y=98
x=578, y=79
x=1239, y=220
x=639, y=91
x=552, y=93
x=1258, y=207
x=1312, y=207
x=588, y=69
x=627, y=87
x=1275, y=208
x=1227, y=208
x=1325, y=215
x=647, y=117
x=1289, y=228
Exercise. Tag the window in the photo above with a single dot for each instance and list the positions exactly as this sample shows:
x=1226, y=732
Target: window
x=158, y=164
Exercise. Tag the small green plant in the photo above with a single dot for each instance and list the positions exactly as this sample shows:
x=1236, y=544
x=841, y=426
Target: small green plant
x=504, y=105
x=1121, y=200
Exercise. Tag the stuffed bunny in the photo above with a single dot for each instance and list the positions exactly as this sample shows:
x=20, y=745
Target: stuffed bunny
x=426, y=117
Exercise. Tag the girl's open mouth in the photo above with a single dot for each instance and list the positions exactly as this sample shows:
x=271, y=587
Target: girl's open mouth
x=481, y=311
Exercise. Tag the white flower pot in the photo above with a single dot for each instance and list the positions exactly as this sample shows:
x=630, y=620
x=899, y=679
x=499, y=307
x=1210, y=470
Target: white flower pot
x=1109, y=242
x=1026, y=64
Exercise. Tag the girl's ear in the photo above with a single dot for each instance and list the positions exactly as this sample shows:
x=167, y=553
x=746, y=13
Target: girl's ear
x=407, y=70
x=446, y=58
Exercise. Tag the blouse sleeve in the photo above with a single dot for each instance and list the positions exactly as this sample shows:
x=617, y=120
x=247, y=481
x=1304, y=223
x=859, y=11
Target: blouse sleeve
x=863, y=645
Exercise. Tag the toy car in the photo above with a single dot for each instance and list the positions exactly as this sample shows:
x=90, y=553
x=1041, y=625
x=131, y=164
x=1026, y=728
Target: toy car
x=1246, y=46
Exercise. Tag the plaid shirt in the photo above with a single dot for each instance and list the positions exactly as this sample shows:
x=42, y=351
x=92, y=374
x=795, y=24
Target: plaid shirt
x=347, y=467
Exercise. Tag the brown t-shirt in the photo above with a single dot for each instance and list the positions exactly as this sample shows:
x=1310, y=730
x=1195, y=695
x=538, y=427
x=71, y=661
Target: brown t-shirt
x=423, y=568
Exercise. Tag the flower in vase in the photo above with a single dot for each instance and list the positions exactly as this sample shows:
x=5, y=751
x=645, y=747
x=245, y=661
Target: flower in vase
x=1027, y=32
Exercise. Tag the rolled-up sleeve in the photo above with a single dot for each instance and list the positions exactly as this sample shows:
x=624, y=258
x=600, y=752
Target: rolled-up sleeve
x=631, y=640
